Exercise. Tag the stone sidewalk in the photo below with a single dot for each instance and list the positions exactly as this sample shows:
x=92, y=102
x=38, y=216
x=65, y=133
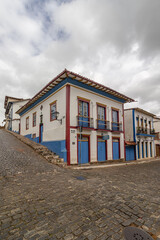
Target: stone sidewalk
x=39, y=200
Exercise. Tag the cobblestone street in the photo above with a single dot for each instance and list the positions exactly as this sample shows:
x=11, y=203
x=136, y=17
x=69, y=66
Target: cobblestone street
x=39, y=200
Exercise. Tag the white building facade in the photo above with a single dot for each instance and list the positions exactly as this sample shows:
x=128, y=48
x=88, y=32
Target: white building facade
x=156, y=121
x=80, y=120
x=12, y=119
x=139, y=129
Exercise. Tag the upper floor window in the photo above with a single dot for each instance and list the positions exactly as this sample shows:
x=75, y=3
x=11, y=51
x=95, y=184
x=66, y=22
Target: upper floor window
x=34, y=119
x=115, y=116
x=137, y=119
x=53, y=109
x=115, y=120
x=83, y=113
x=101, y=117
x=145, y=121
x=101, y=112
x=27, y=123
x=142, y=122
x=83, y=108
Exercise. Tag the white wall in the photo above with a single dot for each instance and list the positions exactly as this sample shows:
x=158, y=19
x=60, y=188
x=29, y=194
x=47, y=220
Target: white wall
x=148, y=139
x=16, y=107
x=52, y=130
x=94, y=99
x=128, y=122
x=145, y=117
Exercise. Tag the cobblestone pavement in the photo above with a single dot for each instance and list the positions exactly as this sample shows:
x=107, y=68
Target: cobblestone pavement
x=41, y=201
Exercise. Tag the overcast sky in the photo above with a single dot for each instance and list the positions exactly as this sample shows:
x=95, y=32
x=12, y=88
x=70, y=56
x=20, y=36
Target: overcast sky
x=114, y=42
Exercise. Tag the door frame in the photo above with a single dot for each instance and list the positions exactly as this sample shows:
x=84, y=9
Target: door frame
x=99, y=136
x=89, y=153
x=119, y=147
x=142, y=147
x=40, y=135
x=146, y=149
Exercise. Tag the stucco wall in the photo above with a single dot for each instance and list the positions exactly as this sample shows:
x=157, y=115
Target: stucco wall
x=128, y=122
x=16, y=107
x=156, y=124
x=145, y=117
x=94, y=99
x=52, y=130
x=145, y=139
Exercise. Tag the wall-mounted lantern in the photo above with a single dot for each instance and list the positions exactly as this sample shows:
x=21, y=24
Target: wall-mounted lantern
x=56, y=114
x=41, y=116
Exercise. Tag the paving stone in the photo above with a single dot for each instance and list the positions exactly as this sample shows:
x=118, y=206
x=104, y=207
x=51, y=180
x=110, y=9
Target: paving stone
x=40, y=200
x=68, y=237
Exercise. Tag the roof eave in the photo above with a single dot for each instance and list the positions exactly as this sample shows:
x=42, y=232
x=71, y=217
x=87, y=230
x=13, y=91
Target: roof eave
x=77, y=77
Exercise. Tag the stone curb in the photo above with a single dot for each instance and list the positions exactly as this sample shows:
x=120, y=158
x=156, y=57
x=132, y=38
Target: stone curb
x=135, y=162
x=40, y=149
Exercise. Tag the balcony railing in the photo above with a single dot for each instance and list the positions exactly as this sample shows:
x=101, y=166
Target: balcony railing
x=157, y=136
x=116, y=126
x=84, y=121
x=145, y=130
x=103, y=124
x=152, y=131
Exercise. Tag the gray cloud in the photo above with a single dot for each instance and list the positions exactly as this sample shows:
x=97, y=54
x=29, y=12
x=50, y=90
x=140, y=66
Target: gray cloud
x=115, y=42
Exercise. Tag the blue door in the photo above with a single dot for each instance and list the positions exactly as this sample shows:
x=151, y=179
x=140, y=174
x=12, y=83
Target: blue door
x=101, y=150
x=116, y=153
x=151, y=149
x=146, y=149
x=142, y=150
x=138, y=150
x=41, y=133
x=130, y=153
x=83, y=115
x=83, y=150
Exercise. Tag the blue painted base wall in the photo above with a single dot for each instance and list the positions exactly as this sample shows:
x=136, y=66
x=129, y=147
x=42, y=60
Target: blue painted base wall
x=58, y=147
x=33, y=139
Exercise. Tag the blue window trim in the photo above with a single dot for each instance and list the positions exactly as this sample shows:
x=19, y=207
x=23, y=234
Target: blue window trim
x=134, y=131
x=145, y=135
x=76, y=83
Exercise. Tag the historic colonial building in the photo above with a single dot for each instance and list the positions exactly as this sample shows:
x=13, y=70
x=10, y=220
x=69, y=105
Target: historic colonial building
x=139, y=134
x=79, y=119
x=12, y=119
x=156, y=121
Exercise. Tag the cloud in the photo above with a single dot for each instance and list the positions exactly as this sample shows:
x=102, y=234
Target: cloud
x=114, y=42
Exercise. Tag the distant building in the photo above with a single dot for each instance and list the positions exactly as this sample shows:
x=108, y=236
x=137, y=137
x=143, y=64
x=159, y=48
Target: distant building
x=139, y=134
x=77, y=118
x=12, y=119
x=156, y=121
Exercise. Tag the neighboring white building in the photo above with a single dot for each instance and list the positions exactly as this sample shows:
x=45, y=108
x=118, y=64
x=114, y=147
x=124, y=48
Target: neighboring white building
x=156, y=121
x=12, y=119
x=89, y=114
x=139, y=134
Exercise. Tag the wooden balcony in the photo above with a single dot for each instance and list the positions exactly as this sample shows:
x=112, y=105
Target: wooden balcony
x=84, y=121
x=117, y=126
x=103, y=124
x=143, y=130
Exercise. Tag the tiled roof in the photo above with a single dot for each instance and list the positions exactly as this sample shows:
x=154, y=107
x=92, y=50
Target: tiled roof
x=75, y=77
